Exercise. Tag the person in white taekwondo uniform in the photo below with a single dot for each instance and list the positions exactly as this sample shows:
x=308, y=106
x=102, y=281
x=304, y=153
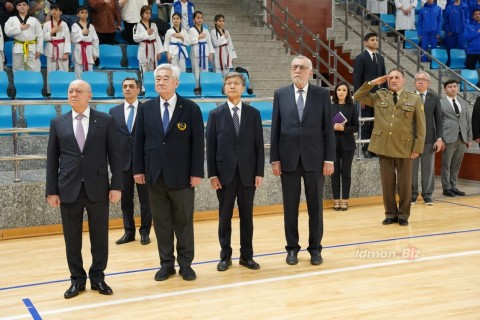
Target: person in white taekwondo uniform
x=224, y=50
x=85, y=39
x=176, y=39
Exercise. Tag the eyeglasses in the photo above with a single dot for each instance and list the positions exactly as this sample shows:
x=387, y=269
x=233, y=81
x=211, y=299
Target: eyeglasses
x=422, y=80
x=301, y=66
x=236, y=84
x=72, y=91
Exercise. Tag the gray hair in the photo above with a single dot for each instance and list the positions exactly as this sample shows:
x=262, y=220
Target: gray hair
x=232, y=75
x=167, y=66
x=301, y=57
x=421, y=72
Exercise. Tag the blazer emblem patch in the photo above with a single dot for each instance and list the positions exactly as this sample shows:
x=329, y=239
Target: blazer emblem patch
x=181, y=126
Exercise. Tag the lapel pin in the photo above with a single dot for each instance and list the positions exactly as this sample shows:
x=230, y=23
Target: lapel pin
x=181, y=126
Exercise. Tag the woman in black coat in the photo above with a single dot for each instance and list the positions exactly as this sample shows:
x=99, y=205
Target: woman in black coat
x=345, y=125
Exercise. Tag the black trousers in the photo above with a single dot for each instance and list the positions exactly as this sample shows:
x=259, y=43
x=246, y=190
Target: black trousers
x=367, y=126
x=128, y=32
x=172, y=212
x=128, y=208
x=106, y=38
x=72, y=223
x=226, y=200
x=291, y=188
x=342, y=173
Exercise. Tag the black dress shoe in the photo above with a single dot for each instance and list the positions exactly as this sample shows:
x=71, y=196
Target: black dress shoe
x=224, y=264
x=144, y=239
x=102, y=288
x=291, y=258
x=164, y=273
x=389, y=221
x=249, y=263
x=187, y=273
x=403, y=222
x=458, y=192
x=367, y=154
x=127, y=237
x=316, y=258
x=73, y=291
x=448, y=193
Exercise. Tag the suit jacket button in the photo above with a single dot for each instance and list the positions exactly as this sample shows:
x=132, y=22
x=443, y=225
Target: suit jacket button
x=300, y=128
x=82, y=156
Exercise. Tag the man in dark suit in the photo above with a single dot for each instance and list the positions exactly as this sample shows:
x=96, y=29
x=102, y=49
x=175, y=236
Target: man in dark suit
x=368, y=66
x=433, y=140
x=169, y=157
x=81, y=144
x=476, y=121
x=124, y=116
x=302, y=145
x=235, y=162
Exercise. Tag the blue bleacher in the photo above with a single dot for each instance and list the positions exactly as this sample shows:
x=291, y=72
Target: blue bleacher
x=66, y=108
x=187, y=85
x=6, y=119
x=132, y=59
x=411, y=35
x=99, y=82
x=149, y=85
x=39, y=115
x=470, y=75
x=117, y=79
x=265, y=108
x=206, y=107
x=59, y=82
x=388, y=19
x=7, y=50
x=3, y=85
x=211, y=84
x=457, y=58
x=104, y=107
x=28, y=84
x=110, y=57
x=441, y=55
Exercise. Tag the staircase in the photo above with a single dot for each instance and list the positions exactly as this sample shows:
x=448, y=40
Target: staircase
x=265, y=58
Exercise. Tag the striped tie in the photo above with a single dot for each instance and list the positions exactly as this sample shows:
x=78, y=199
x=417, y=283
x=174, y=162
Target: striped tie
x=236, y=120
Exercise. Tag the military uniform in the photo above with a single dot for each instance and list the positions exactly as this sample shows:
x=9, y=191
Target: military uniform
x=398, y=130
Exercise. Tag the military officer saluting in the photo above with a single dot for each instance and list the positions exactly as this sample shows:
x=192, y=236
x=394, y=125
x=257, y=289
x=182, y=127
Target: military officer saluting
x=398, y=137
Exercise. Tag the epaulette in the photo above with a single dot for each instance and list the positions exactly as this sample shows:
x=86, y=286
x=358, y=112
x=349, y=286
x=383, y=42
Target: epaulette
x=383, y=89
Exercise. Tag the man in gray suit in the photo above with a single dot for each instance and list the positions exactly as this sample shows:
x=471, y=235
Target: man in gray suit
x=457, y=134
x=433, y=140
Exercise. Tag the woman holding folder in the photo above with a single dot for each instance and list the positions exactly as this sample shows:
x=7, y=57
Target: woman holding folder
x=345, y=124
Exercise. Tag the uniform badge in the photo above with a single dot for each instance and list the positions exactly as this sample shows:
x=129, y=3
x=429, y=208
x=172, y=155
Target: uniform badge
x=181, y=126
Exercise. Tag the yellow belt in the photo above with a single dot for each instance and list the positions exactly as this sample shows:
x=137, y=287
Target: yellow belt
x=25, y=47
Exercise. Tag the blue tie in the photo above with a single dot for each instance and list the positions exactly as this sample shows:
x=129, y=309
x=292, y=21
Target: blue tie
x=166, y=117
x=130, y=118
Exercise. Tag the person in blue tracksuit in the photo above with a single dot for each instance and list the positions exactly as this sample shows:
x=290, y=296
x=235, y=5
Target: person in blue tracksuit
x=472, y=39
x=429, y=26
x=473, y=5
x=456, y=17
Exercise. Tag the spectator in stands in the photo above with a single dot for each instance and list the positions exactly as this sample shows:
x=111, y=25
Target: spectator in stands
x=28, y=36
x=224, y=50
x=69, y=11
x=429, y=26
x=433, y=140
x=202, y=49
x=105, y=16
x=85, y=39
x=457, y=134
x=368, y=66
x=40, y=9
x=235, y=162
x=186, y=9
x=124, y=116
x=164, y=9
x=471, y=36
x=150, y=46
x=343, y=107
x=473, y=5
x=456, y=17
x=476, y=121
x=7, y=10
x=405, y=17
x=175, y=41
x=377, y=7
x=441, y=3
x=57, y=38
x=130, y=16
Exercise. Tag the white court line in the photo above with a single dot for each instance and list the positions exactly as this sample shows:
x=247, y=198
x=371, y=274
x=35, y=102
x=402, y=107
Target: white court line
x=245, y=283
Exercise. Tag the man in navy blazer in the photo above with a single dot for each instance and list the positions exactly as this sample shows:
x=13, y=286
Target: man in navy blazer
x=302, y=145
x=169, y=157
x=235, y=162
x=81, y=145
x=124, y=115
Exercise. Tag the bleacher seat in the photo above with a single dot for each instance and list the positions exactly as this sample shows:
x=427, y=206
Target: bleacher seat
x=59, y=82
x=418, y=7
x=388, y=19
x=149, y=85
x=441, y=55
x=104, y=107
x=6, y=119
x=265, y=108
x=206, y=107
x=117, y=79
x=132, y=59
x=110, y=57
x=411, y=35
x=470, y=75
x=28, y=84
x=211, y=84
x=3, y=85
x=457, y=58
x=66, y=108
x=154, y=7
x=99, y=82
x=187, y=85
x=39, y=115
x=188, y=61
x=7, y=50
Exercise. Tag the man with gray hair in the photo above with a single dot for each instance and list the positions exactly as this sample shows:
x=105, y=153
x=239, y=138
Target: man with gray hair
x=235, y=162
x=168, y=156
x=433, y=140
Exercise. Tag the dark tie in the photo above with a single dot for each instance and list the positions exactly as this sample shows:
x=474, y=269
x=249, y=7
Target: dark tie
x=166, y=117
x=236, y=120
x=455, y=106
x=374, y=57
x=80, y=136
x=300, y=104
x=422, y=95
x=130, y=118
x=395, y=95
